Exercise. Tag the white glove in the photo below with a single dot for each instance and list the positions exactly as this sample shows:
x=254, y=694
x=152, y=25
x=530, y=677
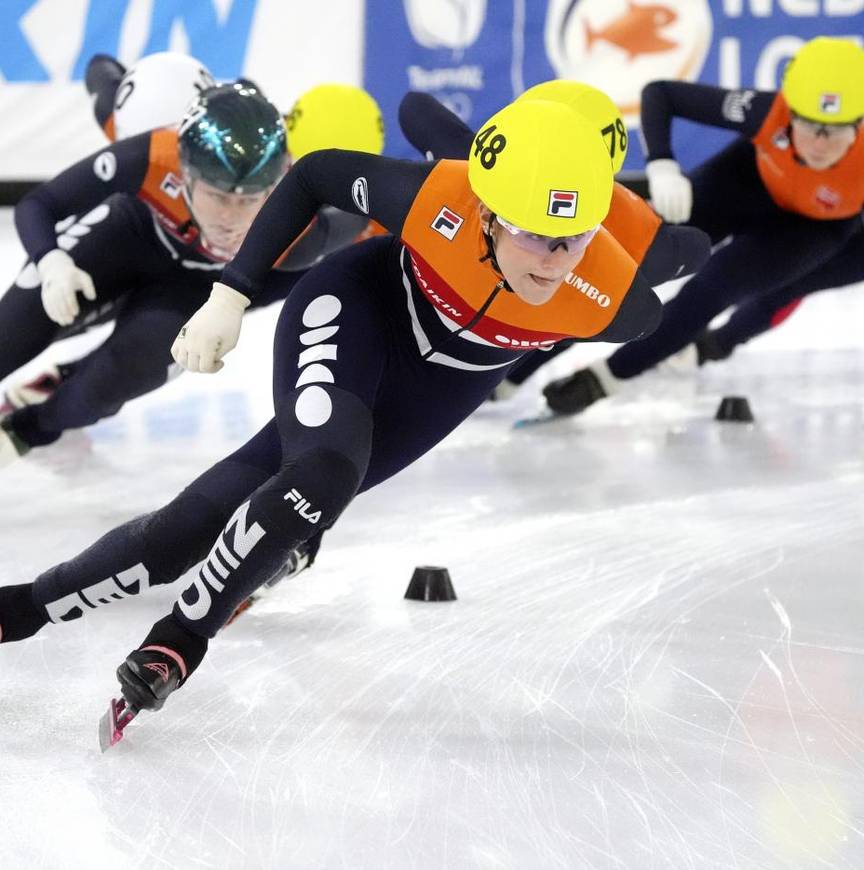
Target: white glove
x=61, y=281
x=212, y=331
x=671, y=192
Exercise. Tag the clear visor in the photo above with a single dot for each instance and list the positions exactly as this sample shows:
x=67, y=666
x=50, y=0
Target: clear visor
x=539, y=244
x=829, y=131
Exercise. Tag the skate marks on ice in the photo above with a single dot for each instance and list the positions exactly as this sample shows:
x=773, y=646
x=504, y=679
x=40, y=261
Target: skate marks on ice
x=670, y=703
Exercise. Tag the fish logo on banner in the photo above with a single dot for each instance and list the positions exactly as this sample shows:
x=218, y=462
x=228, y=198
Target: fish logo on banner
x=620, y=45
x=453, y=24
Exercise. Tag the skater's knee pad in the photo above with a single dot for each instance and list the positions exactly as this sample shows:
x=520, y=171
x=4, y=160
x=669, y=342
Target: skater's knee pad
x=306, y=495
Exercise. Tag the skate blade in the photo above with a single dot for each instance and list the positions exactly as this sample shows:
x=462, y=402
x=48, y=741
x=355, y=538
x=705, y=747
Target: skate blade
x=111, y=725
x=540, y=420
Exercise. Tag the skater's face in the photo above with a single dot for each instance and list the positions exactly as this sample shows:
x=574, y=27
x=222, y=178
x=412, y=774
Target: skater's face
x=534, y=271
x=224, y=218
x=820, y=146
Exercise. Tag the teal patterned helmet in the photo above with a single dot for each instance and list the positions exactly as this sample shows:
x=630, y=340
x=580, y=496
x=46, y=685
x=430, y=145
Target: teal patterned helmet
x=233, y=137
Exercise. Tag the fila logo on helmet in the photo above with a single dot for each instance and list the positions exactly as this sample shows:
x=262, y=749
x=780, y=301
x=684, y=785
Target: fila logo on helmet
x=562, y=203
x=829, y=103
x=447, y=223
x=360, y=194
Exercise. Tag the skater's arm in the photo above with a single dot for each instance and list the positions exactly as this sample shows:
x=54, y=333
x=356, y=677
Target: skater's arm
x=120, y=167
x=433, y=129
x=638, y=316
x=379, y=188
x=675, y=251
x=739, y=110
x=331, y=231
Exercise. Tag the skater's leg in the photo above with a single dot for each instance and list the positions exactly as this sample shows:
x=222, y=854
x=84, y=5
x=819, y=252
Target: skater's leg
x=759, y=315
x=133, y=361
x=107, y=244
x=150, y=550
x=330, y=351
x=750, y=266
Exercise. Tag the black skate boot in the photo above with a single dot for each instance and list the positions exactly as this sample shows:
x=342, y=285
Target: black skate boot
x=12, y=445
x=163, y=663
x=575, y=393
x=709, y=348
x=20, y=616
x=299, y=559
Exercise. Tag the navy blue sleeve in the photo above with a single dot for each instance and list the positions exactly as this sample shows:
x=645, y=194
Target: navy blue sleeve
x=118, y=168
x=675, y=251
x=331, y=231
x=639, y=315
x=102, y=79
x=433, y=129
x=740, y=110
x=361, y=184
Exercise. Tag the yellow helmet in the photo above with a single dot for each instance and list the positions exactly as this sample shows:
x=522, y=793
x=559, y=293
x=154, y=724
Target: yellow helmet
x=542, y=167
x=824, y=81
x=335, y=116
x=594, y=105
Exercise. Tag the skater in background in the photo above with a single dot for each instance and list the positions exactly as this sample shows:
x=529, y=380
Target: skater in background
x=759, y=315
x=663, y=251
x=789, y=191
x=154, y=92
x=380, y=351
x=159, y=215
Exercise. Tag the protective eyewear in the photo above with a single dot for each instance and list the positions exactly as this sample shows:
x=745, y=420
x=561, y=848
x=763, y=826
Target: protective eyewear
x=538, y=244
x=818, y=128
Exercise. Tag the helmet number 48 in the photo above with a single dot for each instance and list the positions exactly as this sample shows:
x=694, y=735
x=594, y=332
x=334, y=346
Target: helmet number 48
x=489, y=153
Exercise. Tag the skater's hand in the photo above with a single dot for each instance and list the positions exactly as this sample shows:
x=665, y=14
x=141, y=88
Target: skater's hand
x=211, y=332
x=670, y=190
x=62, y=281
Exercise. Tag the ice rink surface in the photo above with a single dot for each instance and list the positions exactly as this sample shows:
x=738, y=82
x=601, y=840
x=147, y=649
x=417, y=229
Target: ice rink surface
x=656, y=659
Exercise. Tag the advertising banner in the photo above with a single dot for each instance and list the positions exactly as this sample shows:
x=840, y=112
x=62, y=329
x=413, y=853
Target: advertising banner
x=477, y=55
x=47, y=122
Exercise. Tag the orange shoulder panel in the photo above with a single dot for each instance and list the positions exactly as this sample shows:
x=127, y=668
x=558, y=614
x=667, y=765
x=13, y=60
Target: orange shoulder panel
x=108, y=128
x=163, y=185
x=444, y=236
x=632, y=222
